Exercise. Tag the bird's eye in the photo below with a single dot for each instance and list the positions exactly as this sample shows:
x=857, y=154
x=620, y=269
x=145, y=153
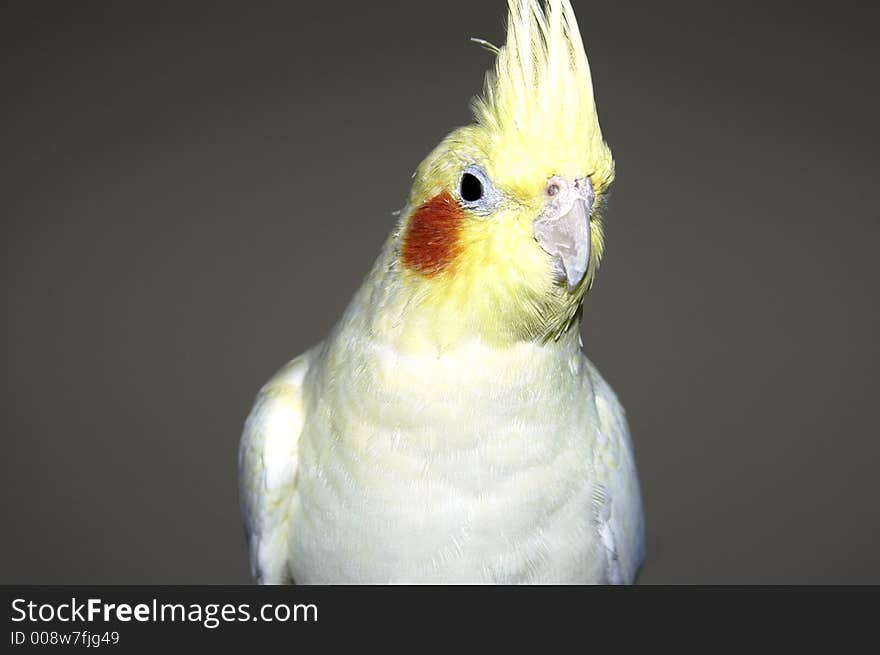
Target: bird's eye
x=476, y=193
x=471, y=188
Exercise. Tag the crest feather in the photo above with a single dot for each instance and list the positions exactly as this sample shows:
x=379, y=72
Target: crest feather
x=538, y=107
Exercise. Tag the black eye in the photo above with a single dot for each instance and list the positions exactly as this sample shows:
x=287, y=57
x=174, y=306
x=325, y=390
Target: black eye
x=471, y=188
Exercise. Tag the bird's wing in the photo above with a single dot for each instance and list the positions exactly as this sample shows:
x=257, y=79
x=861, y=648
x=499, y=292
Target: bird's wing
x=621, y=523
x=267, y=463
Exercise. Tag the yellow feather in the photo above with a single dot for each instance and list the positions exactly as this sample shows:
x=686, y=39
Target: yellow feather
x=538, y=109
x=536, y=118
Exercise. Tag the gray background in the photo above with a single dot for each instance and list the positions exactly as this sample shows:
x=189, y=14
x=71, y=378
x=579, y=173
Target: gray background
x=190, y=198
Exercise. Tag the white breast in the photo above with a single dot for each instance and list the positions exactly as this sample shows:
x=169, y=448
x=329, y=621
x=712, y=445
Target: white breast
x=465, y=466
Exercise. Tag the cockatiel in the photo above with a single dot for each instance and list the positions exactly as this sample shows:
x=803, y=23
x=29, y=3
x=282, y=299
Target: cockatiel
x=450, y=429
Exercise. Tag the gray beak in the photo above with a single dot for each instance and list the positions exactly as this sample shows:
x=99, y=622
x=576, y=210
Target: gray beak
x=563, y=229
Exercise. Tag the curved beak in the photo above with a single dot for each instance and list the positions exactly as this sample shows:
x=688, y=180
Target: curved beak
x=563, y=229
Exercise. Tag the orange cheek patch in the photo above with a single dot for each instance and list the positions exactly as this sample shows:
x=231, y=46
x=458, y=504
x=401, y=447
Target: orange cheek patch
x=431, y=241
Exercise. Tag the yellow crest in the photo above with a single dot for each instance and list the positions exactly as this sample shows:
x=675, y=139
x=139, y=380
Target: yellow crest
x=537, y=107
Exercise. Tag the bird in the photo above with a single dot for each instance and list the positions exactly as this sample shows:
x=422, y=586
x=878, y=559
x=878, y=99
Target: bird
x=449, y=429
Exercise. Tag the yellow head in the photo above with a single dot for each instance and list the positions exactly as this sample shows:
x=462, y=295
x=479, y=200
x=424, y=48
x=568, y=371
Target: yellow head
x=501, y=236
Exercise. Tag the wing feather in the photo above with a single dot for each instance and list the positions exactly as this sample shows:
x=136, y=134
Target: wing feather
x=619, y=514
x=267, y=460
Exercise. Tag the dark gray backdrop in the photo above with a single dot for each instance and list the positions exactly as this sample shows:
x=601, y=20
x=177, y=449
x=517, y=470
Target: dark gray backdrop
x=190, y=198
